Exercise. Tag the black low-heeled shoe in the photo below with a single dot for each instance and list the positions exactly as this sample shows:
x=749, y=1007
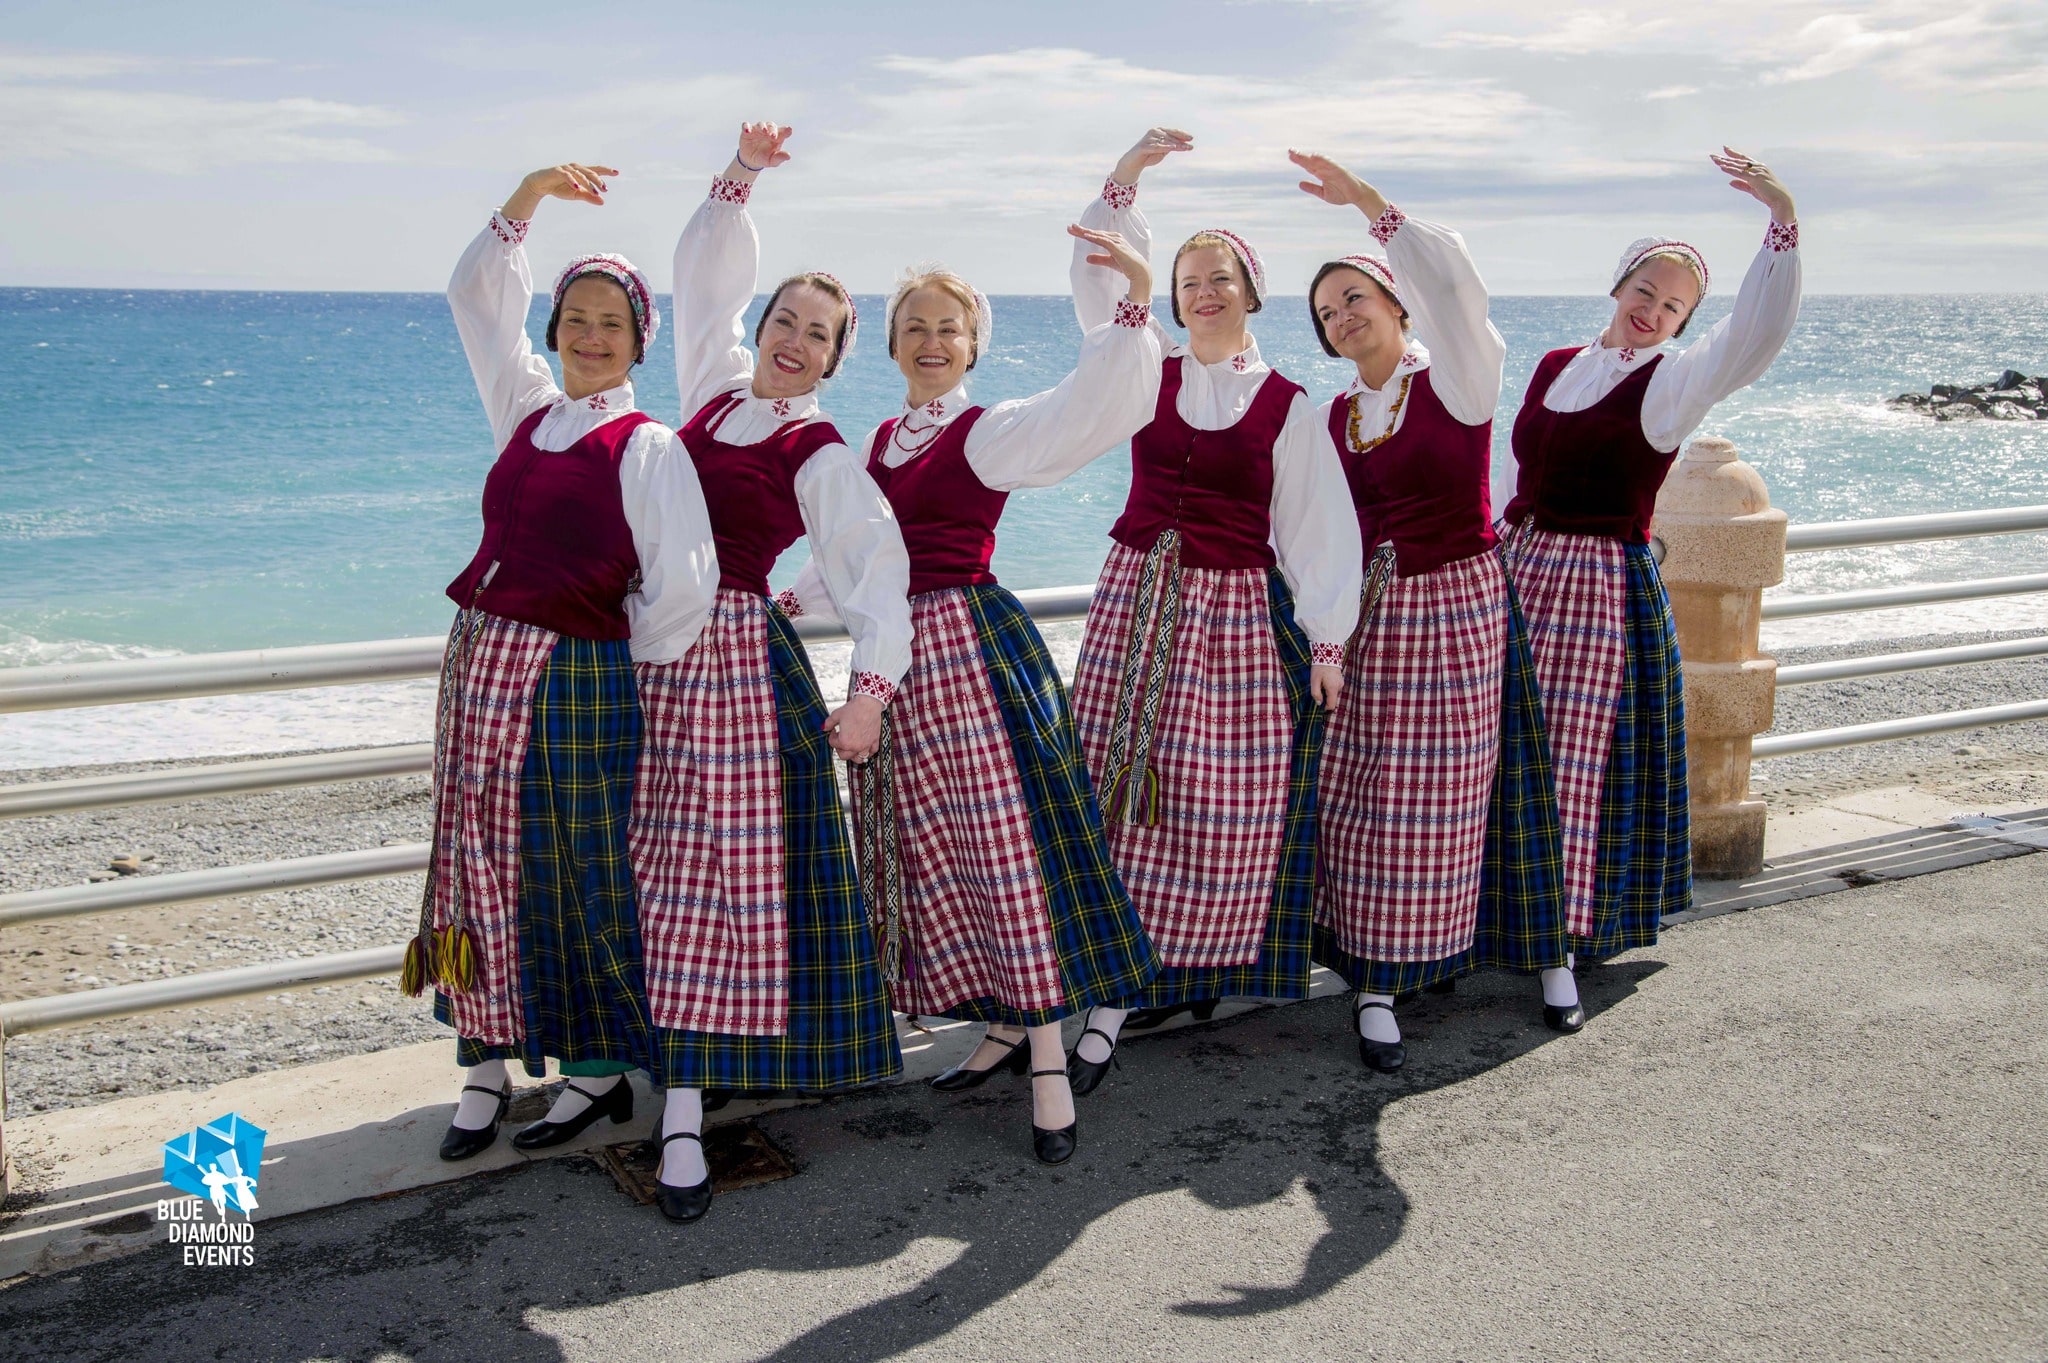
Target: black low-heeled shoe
x=1054, y=1147
x=615, y=1102
x=462, y=1142
x=1145, y=1019
x=1381, y=1057
x=960, y=1077
x=683, y=1204
x=714, y=1099
x=1087, y=1075
x=1564, y=1019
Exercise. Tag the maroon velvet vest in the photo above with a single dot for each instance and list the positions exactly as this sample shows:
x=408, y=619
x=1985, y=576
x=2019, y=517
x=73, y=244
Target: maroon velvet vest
x=750, y=490
x=946, y=513
x=1592, y=472
x=1425, y=487
x=1215, y=487
x=557, y=552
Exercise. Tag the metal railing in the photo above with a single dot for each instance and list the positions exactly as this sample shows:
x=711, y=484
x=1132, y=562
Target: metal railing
x=116, y=683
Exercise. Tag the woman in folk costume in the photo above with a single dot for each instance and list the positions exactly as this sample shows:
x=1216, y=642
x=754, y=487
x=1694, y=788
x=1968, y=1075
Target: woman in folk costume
x=1438, y=837
x=1597, y=432
x=761, y=970
x=989, y=876
x=1215, y=642
x=597, y=554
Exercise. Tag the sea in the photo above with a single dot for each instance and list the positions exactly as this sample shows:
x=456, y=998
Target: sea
x=188, y=472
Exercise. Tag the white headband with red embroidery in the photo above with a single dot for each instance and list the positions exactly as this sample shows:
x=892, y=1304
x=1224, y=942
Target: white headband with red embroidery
x=1642, y=248
x=1249, y=258
x=1375, y=269
x=984, y=315
x=622, y=272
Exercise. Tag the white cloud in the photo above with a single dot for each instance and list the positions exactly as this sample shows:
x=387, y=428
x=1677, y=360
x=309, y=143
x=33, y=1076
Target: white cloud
x=1581, y=32
x=181, y=133
x=1920, y=44
x=1673, y=92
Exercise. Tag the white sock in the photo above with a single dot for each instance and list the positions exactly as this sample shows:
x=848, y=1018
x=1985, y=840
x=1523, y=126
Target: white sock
x=1052, y=1098
x=996, y=1045
x=1377, y=1024
x=1094, y=1049
x=1560, y=990
x=682, y=1162
x=475, y=1111
x=569, y=1104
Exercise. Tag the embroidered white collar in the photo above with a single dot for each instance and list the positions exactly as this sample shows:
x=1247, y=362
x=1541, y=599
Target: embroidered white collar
x=614, y=401
x=940, y=411
x=802, y=407
x=1413, y=362
x=1622, y=357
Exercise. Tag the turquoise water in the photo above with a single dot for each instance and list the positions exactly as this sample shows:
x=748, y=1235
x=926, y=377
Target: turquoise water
x=189, y=471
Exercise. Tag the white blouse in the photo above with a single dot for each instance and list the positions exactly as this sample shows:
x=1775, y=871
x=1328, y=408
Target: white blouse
x=1451, y=337
x=854, y=540
x=490, y=294
x=1315, y=530
x=1733, y=354
x=1037, y=441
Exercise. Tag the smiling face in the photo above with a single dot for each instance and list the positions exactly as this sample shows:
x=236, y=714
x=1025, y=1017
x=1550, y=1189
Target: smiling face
x=933, y=340
x=1652, y=304
x=1211, y=297
x=596, y=336
x=1357, y=318
x=798, y=340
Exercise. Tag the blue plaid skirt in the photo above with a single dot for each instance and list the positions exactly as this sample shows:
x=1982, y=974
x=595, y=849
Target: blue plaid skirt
x=1103, y=952
x=1644, y=873
x=1521, y=894
x=580, y=982
x=1281, y=969
x=841, y=1034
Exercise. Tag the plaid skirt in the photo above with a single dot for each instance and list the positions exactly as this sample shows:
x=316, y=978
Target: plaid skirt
x=837, y=1032
x=1009, y=906
x=1512, y=915
x=548, y=889
x=1606, y=654
x=1224, y=883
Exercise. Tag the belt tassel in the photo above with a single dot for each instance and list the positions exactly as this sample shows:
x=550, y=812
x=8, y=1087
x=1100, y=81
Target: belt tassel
x=447, y=956
x=881, y=847
x=1131, y=794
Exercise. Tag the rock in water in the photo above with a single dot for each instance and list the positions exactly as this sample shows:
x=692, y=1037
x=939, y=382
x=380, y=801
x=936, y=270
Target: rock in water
x=2012, y=396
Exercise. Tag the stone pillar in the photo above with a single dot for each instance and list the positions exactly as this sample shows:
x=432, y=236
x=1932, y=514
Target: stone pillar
x=1723, y=544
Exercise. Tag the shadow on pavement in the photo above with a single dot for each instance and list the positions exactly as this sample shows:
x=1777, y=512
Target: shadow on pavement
x=1235, y=1113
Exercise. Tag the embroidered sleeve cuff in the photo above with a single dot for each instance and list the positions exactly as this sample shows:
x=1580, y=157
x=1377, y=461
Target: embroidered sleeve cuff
x=1129, y=314
x=872, y=684
x=1387, y=223
x=1326, y=655
x=511, y=231
x=786, y=602
x=726, y=191
x=1119, y=196
x=1782, y=236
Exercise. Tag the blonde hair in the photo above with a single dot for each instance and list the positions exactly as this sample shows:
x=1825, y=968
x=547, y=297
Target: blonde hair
x=1194, y=243
x=1692, y=267
x=948, y=283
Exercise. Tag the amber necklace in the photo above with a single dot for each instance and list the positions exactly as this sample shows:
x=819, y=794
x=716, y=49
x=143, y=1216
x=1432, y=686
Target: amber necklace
x=1359, y=446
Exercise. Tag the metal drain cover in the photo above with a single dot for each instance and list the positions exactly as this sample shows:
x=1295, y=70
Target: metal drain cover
x=739, y=1153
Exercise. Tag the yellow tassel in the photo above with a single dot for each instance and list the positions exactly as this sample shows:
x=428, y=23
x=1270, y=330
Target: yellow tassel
x=462, y=956
x=412, y=976
x=1118, y=792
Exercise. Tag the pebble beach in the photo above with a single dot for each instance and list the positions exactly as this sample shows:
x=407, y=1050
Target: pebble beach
x=78, y=1066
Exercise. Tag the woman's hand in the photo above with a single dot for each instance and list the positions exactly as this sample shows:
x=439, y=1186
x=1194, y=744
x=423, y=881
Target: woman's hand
x=1326, y=684
x=1756, y=180
x=574, y=181
x=1335, y=185
x=1155, y=146
x=855, y=728
x=1118, y=255
x=760, y=149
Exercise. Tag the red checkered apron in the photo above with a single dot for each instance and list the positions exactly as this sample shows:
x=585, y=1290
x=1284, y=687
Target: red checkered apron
x=1202, y=877
x=1574, y=595
x=477, y=771
x=1407, y=770
x=706, y=831
x=976, y=924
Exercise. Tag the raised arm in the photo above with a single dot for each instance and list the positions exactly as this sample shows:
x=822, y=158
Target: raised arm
x=1108, y=398
x=672, y=535
x=1446, y=300
x=717, y=269
x=492, y=288
x=1096, y=286
x=1315, y=533
x=1740, y=347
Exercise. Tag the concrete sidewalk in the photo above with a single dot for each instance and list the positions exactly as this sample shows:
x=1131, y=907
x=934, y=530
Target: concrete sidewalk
x=1806, y=1131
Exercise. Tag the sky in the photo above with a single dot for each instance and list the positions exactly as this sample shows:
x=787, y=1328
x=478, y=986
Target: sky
x=358, y=146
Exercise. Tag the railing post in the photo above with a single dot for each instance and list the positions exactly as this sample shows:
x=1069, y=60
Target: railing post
x=1723, y=544
x=6, y=1164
